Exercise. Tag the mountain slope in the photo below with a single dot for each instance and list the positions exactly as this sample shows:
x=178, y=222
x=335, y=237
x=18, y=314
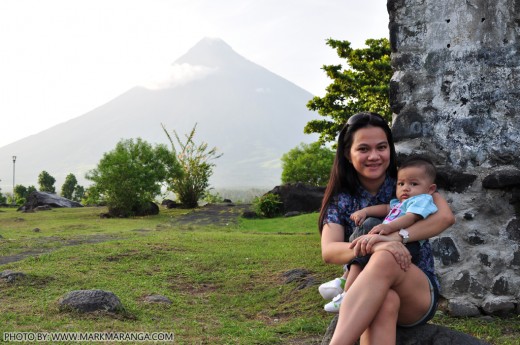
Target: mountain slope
x=252, y=115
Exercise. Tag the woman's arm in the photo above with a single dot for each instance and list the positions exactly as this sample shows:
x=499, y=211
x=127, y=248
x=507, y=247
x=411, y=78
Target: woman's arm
x=334, y=249
x=432, y=225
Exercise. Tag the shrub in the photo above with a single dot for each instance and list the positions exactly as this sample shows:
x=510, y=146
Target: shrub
x=213, y=198
x=131, y=175
x=307, y=163
x=268, y=205
x=196, y=168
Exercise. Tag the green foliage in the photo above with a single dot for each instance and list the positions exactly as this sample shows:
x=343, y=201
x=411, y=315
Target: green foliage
x=92, y=197
x=268, y=205
x=131, y=175
x=195, y=161
x=71, y=189
x=46, y=182
x=21, y=193
x=79, y=193
x=3, y=198
x=179, y=262
x=67, y=190
x=213, y=198
x=307, y=163
x=31, y=189
x=362, y=86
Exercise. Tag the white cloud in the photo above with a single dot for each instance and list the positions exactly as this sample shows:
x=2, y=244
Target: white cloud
x=175, y=75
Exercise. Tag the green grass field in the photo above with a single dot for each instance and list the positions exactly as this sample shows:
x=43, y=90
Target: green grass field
x=226, y=284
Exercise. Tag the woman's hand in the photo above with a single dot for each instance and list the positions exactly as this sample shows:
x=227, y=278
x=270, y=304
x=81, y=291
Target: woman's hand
x=363, y=244
x=401, y=253
x=369, y=244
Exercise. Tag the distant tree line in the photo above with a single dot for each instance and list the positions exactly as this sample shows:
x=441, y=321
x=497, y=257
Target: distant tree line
x=70, y=189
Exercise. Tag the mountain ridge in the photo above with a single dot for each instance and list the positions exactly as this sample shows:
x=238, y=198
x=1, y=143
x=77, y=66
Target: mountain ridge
x=252, y=115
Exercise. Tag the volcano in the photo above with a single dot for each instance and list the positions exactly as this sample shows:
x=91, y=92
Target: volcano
x=250, y=114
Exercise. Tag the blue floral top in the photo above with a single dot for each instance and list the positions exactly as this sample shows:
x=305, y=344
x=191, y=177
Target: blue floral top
x=343, y=205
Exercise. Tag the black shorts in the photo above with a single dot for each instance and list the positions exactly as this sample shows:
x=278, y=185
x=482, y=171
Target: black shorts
x=434, y=291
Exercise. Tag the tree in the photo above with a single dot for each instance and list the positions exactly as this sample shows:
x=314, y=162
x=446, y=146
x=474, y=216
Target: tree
x=130, y=176
x=92, y=197
x=79, y=193
x=307, y=163
x=67, y=190
x=363, y=86
x=46, y=182
x=21, y=193
x=3, y=198
x=195, y=161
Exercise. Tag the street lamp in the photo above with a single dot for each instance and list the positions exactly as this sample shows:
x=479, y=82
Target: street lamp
x=14, y=161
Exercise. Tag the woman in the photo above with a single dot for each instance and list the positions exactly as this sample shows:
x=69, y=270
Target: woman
x=390, y=291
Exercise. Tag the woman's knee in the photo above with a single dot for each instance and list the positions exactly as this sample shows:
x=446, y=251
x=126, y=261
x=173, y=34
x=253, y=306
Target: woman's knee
x=383, y=259
x=384, y=262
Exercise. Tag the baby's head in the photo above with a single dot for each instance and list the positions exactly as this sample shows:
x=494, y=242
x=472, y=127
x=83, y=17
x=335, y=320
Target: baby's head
x=416, y=175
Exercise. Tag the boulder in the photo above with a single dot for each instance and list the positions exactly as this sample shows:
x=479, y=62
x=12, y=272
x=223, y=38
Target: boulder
x=85, y=301
x=170, y=203
x=148, y=209
x=299, y=197
x=302, y=277
x=42, y=200
x=249, y=214
x=157, y=299
x=12, y=276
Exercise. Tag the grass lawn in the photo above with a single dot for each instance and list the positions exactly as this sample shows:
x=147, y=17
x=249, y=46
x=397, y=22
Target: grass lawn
x=226, y=284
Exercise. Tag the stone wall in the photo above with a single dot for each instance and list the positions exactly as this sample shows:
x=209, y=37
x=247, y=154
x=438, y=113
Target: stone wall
x=455, y=94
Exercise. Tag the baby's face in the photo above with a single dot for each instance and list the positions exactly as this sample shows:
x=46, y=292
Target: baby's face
x=412, y=181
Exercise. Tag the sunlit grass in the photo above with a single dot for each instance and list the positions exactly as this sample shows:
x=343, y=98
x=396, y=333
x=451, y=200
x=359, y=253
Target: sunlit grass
x=226, y=284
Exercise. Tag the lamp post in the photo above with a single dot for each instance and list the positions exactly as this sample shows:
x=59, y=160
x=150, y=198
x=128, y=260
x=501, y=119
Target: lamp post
x=14, y=161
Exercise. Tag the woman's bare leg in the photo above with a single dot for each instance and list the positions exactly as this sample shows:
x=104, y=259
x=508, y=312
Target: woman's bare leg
x=366, y=296
x=382, y=330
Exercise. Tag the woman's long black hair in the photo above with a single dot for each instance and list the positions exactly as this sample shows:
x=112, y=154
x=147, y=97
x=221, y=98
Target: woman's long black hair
x=343, y=176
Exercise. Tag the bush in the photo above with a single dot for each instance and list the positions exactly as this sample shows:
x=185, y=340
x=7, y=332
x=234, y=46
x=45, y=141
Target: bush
x=307, y=163
x=268, y=205
x=196, y=168
x=131, y=175
x=213, y=198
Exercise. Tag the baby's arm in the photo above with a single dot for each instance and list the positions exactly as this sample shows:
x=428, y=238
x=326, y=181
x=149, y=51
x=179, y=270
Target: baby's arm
x=397, y=224
x=378, y=211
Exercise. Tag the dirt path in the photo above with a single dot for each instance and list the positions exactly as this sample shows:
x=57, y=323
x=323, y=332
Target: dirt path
x=213, y=214
x=62, y=243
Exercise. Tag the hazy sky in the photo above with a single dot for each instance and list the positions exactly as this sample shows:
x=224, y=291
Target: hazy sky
x=62, y=58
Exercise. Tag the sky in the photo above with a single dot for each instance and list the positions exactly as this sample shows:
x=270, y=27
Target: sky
x=60, y=59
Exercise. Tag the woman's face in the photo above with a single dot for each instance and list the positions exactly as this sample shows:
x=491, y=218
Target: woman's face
x=370, y=154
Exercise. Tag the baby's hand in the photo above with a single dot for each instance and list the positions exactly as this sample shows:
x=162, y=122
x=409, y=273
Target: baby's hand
x=381, y=229
x=358, y=217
